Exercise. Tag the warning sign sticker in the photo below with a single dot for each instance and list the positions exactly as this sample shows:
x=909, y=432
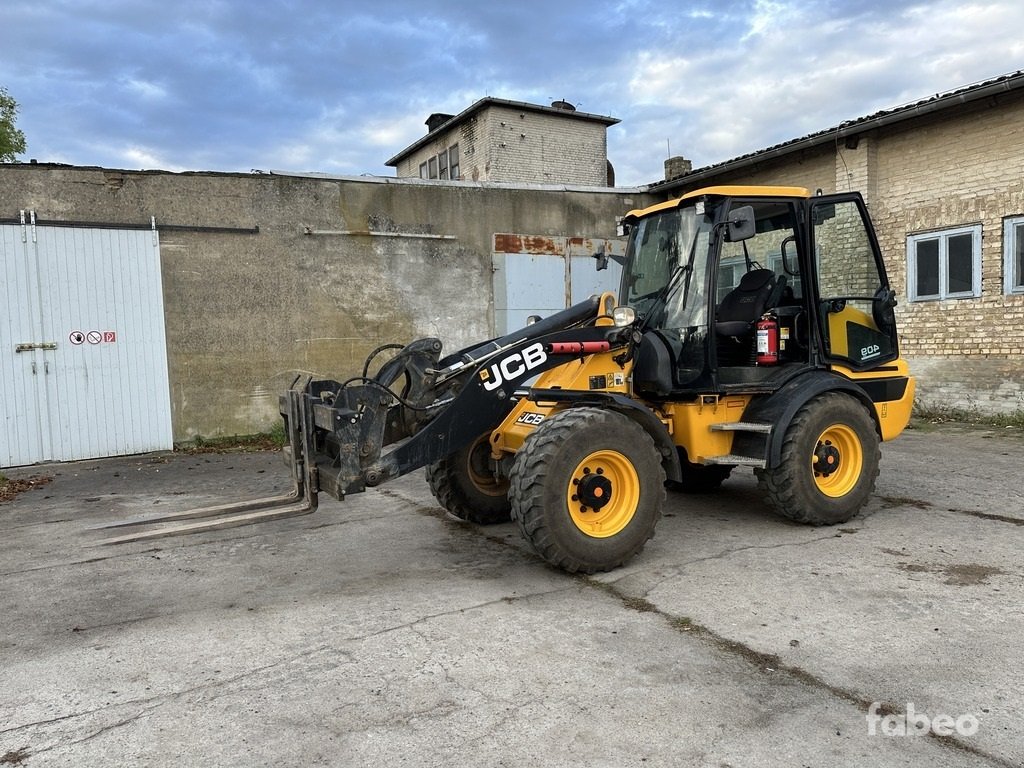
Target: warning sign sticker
x=78, y=338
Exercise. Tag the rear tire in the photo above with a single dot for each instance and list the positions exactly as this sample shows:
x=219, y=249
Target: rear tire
x=587, y=487
x=464, y=485
x=829, y=462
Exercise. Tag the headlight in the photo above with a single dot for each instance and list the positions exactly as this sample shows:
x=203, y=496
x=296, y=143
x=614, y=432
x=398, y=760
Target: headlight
x=623, y=316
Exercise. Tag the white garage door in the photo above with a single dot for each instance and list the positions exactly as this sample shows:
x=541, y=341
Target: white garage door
x=83, y=359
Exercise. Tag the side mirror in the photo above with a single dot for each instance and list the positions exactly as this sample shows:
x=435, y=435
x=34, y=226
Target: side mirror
x=602, y=256
x=740, y=224
x=790, y=263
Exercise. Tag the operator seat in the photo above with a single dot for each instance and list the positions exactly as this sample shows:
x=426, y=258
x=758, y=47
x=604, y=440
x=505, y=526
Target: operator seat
x=741, y=308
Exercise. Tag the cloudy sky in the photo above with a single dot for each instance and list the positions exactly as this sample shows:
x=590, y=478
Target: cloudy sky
x=339, y=87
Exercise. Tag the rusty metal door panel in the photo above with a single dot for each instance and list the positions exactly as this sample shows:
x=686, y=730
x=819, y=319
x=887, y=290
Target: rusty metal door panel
x=526, y=284
x=584, y=278
x=540, y=275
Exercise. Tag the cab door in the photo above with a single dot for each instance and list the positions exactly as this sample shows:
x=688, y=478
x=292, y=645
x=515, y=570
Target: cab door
x=855, y=317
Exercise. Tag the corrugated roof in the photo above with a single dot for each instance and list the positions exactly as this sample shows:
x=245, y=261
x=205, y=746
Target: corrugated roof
x=936, y=103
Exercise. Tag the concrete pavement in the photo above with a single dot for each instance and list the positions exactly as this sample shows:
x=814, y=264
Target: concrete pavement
x=379, y=631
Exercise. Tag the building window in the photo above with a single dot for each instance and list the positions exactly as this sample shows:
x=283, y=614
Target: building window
x=1013, y=254
x=442, y=165
x=432, y=165
x=944, y=265
x=453, y=162
x=423, y=170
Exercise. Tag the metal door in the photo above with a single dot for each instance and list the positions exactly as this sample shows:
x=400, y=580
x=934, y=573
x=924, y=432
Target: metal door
x=540, y=275
x=83, y=360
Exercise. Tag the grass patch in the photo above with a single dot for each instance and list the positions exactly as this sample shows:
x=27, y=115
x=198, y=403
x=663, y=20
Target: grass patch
x=264, y=441
x=683, y=624
x=924, y=418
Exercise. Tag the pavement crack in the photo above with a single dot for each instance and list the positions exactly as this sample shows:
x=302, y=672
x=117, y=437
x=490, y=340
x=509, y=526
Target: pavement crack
x=411, y=625
x=990, y=516
x=112, y=726
x=751, y=547
x=772, y=664
x=151, y=703
x=905, y=501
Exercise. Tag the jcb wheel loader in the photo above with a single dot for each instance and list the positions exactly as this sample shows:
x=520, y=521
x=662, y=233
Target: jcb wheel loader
x=754, y=327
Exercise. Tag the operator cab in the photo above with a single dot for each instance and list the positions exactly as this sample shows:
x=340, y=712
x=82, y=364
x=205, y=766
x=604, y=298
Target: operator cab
x=720, y=271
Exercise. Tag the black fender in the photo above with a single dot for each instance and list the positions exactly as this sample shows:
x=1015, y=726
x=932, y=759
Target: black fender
x=779, y=408
x=628, y=407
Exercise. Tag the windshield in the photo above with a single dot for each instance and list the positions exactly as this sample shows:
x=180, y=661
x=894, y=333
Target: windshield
x=664, y=280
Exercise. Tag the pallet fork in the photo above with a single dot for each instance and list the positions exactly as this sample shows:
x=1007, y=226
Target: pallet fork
x=303, y=499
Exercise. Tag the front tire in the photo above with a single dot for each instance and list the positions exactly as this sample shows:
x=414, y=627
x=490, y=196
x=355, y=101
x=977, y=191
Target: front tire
x=465, y=486
x=587, y=487
x=829, y=462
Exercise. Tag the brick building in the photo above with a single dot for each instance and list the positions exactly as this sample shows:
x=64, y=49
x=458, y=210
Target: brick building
x=499, y=140
x=944, y=180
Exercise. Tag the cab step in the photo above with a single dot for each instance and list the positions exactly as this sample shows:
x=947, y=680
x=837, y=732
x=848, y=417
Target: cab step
x=737, y=461
x=742, y=426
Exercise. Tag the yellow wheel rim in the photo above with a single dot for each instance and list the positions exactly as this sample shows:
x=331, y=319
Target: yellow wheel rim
x=603, y=494
x=837, y=461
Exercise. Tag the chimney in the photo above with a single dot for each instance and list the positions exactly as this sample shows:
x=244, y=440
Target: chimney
x=677, y=166
x=436, y=120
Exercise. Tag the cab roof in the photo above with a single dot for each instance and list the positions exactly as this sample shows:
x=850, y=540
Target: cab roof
x=721, y=191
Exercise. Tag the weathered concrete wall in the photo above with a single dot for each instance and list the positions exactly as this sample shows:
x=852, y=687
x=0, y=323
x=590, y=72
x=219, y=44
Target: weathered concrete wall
x=339, y=267
x=505, y=143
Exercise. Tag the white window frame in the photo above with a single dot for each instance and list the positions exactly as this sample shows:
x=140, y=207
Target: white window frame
x=1013, y=227
x=943, y=237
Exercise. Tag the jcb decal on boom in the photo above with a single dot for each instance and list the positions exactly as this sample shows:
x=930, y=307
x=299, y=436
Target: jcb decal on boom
x=513, y=366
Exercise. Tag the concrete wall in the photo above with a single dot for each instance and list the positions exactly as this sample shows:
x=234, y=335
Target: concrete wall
x=339, y=267
x=959, y=167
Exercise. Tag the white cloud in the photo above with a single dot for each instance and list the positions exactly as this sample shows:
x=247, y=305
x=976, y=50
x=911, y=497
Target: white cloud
x=143, y=157
x=146, y=89
x=796, y=73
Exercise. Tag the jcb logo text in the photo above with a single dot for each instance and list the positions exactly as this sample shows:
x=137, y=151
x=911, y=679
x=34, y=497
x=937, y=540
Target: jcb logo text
x=531, y=418
x=513, y=366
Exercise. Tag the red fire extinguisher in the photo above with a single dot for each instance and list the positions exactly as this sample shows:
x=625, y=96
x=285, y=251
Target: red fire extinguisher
x=768, y=340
